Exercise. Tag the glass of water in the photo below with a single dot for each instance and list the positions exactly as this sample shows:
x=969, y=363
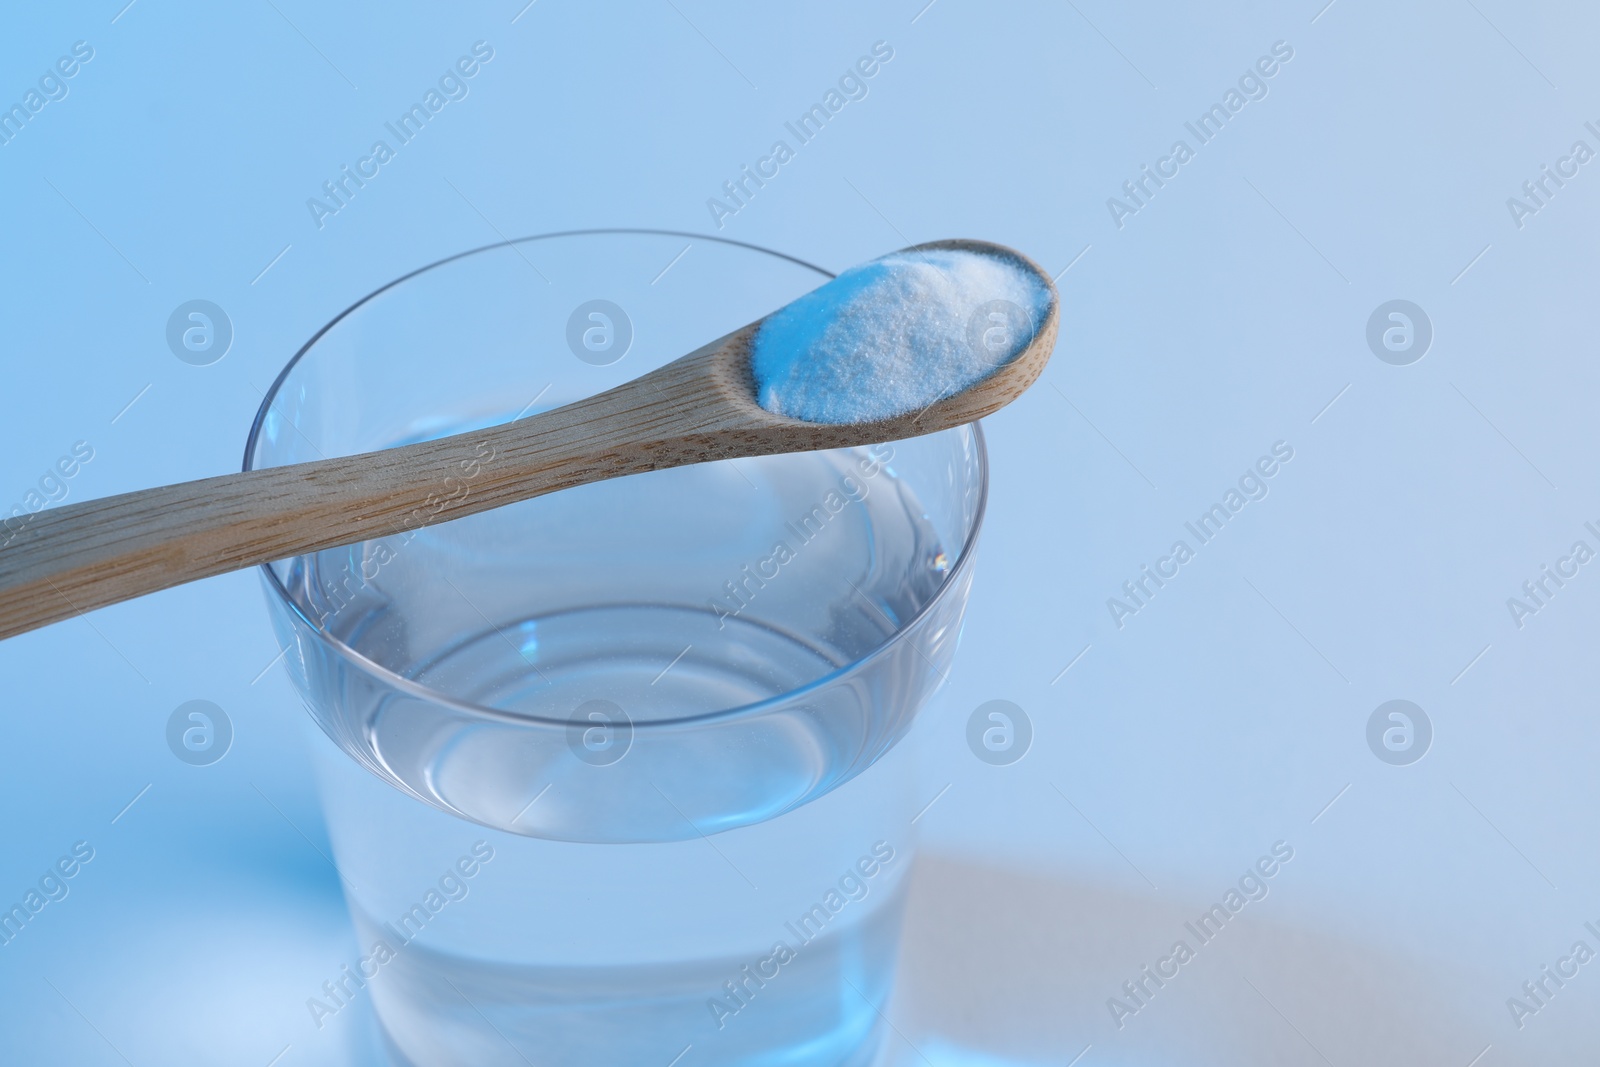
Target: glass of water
x=612, y=775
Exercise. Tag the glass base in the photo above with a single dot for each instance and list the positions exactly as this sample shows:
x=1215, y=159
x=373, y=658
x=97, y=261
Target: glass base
x=869, y=1052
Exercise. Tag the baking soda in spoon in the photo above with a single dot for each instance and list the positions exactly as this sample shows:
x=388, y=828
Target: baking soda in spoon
x=895, y=335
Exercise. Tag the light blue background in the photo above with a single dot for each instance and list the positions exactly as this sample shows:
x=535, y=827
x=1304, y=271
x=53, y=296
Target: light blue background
x=1223, y=317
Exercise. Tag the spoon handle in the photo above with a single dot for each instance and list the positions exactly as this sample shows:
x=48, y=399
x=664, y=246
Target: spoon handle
x=74, y=559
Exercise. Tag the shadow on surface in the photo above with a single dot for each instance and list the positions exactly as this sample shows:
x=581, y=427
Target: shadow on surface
x=1004, y=967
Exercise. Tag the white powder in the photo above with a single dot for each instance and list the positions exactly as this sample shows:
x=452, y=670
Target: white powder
x=894, y=335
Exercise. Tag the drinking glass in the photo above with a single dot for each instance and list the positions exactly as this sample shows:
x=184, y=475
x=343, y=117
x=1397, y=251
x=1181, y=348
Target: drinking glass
x=612, y=776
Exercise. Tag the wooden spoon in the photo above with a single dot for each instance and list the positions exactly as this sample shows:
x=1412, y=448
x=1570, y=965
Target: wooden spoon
x=698, y=408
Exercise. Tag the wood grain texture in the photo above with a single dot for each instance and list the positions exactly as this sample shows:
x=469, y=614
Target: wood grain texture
x=701, y=407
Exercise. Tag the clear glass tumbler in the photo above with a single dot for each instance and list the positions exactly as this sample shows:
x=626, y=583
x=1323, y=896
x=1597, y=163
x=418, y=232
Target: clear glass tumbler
x=592, y=764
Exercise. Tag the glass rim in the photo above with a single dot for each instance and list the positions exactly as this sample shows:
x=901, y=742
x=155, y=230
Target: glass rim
x=393, y=680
